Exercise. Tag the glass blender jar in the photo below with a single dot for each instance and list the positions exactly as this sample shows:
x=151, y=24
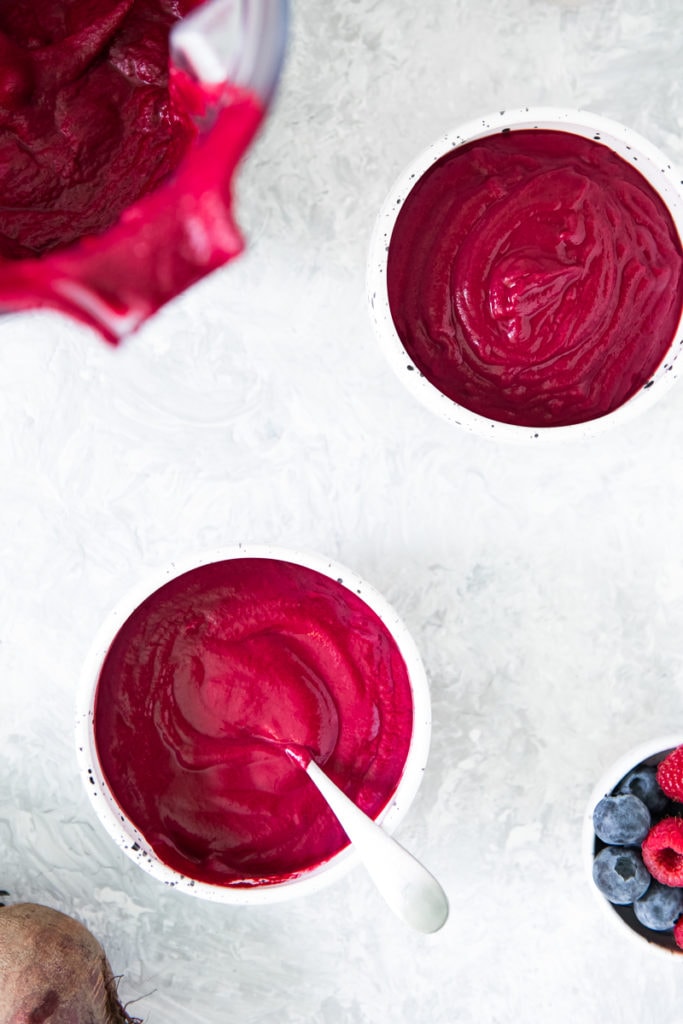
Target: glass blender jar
x=222, y=63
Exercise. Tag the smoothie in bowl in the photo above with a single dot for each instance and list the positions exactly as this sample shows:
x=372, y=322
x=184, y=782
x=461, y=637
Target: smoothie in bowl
x=526, y=274
x=197, y=687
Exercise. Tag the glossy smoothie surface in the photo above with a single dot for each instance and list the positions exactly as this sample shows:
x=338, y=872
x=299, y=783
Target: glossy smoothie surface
x=535, y=277
x=208, y=682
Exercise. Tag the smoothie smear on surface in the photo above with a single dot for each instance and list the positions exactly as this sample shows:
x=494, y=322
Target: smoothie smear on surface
x=206, y=686
x=535, y=277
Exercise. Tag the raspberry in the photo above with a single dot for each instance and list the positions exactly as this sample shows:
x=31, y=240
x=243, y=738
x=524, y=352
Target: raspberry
x=663, y=852
x=678, y=932
x=670, y=774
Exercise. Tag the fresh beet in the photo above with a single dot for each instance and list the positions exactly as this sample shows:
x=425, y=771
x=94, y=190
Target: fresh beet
x=54, y=971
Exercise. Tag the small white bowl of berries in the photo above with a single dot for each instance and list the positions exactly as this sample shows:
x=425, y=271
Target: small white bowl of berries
x=633, y=842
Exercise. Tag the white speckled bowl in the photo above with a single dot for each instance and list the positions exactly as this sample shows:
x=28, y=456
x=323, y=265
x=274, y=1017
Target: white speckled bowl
x=133, y=843
x=623, y=917
x=627, y=144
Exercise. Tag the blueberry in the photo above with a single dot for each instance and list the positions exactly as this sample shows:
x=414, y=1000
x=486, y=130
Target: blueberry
x=642, y=782
x=622, y=820
x=620, y=875
x=660, y=907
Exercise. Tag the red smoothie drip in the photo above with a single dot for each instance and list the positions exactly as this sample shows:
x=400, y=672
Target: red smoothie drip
x=535, y=278
x=209, y=682
x=113, y=199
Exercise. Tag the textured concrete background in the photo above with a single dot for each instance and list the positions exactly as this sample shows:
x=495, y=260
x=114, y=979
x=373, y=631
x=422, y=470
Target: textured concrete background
x=544, y=587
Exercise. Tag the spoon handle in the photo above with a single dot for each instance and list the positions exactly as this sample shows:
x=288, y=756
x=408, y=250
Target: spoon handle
x=408, y=887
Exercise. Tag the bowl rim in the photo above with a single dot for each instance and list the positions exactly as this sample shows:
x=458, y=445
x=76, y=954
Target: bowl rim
x=568, y=119
x=130, y=839
x=613, y=774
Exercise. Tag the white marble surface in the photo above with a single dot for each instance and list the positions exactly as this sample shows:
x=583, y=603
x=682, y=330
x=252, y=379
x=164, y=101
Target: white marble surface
x=544, y=587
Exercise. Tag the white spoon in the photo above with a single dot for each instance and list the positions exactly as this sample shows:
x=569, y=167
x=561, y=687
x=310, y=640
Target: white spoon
x=409, y=889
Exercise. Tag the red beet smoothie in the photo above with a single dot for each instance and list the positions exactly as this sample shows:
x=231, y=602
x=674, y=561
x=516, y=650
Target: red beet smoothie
x=535, y=277
x=208, y=681
x=112, y=199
